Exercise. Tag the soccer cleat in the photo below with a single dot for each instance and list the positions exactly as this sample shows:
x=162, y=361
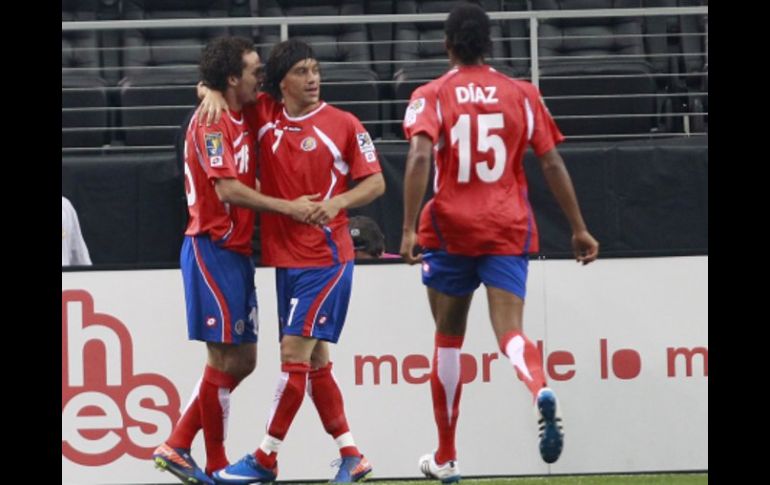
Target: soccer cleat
x=550, y=425
x=352, y=469
x=246, y=470
x=179, y=462
x=449, y=472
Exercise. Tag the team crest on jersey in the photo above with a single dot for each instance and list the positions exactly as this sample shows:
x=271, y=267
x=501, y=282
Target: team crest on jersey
x=365, y=143
x=239, y=327
x=214, y=145
x=308, y=144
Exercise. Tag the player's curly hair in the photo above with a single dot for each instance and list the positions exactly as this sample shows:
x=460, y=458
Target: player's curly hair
x=467, y=32
x=282, y=57
x=222, y=58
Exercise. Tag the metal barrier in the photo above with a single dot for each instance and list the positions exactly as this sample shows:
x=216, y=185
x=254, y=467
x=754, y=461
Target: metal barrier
x=680, y=96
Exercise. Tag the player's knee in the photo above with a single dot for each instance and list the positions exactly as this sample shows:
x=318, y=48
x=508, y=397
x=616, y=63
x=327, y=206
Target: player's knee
x=319, y=361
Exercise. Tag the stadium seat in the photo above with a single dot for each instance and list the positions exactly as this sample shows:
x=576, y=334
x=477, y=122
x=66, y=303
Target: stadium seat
x=695, y=69
x=596, y=56
x=353, y=86
x=419, y=52
x=161, y=67
x=82, y=84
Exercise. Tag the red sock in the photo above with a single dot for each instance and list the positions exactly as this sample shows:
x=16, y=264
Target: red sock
x=188, y=425
x=446, y=388
x=523, y=354
x=214, y=406
x=326, y=395
x=288, y=399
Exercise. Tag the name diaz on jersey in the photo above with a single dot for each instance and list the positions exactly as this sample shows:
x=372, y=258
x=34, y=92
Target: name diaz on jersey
x=476, y=94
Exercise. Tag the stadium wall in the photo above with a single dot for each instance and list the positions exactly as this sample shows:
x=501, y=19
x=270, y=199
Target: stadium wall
x=639, y=198
x=626, y=348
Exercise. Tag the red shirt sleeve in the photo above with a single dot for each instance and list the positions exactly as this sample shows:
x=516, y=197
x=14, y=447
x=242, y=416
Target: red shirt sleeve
x=360, y=152
x=214, y=146
x=421, y=115
x=546, y=134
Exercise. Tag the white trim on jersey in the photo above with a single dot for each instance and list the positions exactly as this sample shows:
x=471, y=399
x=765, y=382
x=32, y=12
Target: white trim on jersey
x=530, y=119
x=331, y=186
x=438, y=111
x=237, y=122
x=264, y=129
x=303, y=117
x=339, y=163
x=238, y=140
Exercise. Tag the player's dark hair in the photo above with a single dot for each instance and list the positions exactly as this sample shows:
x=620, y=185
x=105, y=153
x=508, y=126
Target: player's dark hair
x=283, y=56
x=467, y=32
x=222, y=58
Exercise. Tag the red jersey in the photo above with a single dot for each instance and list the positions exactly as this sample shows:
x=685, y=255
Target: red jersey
x=319, y=152
x=480, y=122
x=222, y=150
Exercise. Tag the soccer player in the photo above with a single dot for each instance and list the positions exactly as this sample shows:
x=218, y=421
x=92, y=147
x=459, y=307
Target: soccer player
x=217, y=268
x=306, y=144
x=479, y=227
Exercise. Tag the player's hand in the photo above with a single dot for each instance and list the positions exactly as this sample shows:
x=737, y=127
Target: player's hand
x=301, y=207
x=325, y=212
x=408, y=241
x=212, y=106
x=584, y=247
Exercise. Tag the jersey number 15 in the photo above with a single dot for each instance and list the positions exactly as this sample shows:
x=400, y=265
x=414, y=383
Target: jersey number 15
x=461, y=134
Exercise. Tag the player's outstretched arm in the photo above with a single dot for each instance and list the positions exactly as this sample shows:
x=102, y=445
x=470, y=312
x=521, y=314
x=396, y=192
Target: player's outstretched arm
x=231, y=191
x=416, y=177
x=584, y=246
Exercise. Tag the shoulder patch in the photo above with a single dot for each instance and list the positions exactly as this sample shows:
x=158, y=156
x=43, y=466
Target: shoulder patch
x=365, y=143
x=415, y=107
x=214, y=145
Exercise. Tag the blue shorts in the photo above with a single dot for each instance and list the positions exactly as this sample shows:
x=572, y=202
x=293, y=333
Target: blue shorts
x=313, y=302
x=458, y=275
x=219, y=292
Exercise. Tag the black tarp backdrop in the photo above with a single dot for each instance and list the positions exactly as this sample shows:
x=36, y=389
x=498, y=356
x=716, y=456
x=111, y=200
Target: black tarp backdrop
x=639, y=198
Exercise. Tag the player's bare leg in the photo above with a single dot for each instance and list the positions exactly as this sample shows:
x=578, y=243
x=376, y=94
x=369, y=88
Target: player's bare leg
x=506, y=312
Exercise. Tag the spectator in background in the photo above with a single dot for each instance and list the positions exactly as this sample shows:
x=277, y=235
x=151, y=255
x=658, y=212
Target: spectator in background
x=368, y=239
x=73, y=247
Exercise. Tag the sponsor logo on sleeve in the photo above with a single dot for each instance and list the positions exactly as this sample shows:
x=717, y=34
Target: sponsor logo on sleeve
x=370, y=156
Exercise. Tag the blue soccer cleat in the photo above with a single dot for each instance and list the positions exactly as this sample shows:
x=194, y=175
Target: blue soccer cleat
x=550, y=425
x=449, y=472
x=246, y=470
x=179, y=462
x=352, y=469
